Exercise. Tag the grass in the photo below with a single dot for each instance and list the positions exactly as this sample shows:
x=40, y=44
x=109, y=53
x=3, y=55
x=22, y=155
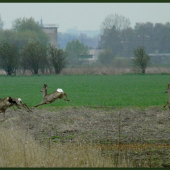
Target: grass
x=127, y=90
x=19, y=149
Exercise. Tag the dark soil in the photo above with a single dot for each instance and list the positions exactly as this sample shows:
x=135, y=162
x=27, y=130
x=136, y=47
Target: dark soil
x=96, y=125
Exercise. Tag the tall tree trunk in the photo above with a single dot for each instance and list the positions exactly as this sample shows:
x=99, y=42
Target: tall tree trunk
x=143, y=71
x=35, y=71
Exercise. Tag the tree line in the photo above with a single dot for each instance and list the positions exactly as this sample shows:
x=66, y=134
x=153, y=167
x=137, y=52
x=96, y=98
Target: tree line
x=34, y=57
x=26, y=47
x=121, y=39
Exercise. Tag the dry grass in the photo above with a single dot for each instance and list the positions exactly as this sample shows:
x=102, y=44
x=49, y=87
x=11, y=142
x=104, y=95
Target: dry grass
x=96, y=70
x=102, y=70
x=157, y=70
x=19, y=149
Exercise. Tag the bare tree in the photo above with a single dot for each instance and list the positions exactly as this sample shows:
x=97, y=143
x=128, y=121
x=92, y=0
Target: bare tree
x=114, y=34
x=119, y=21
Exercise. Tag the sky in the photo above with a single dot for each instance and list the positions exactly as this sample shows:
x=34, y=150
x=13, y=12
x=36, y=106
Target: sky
x=84, y=16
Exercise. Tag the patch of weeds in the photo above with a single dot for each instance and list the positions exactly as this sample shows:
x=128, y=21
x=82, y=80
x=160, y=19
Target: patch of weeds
x=53, y=137
x=70, y=136
x=144, y=130
x=94, y=132
x=154, y=157
x=162, y=130
x=56, y=137
x=136, y=138
x=84, y=132
x=124, y=136
x=5, y=123
x=152, y=141
x=56, y=141
x=59, y=137
x=44, y=133
x=71, y=122
x=102, y=141
x=154, y=150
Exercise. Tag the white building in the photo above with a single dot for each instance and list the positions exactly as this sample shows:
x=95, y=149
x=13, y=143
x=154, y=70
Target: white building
x=51, y=31
x=92, y=57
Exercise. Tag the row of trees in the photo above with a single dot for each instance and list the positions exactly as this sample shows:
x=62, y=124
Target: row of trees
x=26, y=47
x=140, y=60
x=34, y=57
x=118, y=36
x=119, y=39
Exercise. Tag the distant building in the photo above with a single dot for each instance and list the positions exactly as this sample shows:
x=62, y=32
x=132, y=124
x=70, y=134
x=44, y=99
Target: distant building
x=159, y=58
x=92, y=57
x=95, y=54
x=51, y=31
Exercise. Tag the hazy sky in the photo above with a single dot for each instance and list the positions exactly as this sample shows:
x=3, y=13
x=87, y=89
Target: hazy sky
x=86, y=16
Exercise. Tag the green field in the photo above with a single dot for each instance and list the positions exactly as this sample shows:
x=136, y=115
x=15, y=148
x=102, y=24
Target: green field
x=95, y=90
